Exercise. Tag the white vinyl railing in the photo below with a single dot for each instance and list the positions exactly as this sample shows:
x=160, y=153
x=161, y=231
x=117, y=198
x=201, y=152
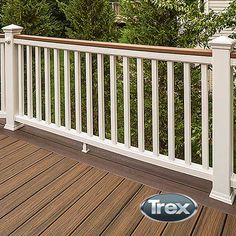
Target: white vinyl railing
x=36, y=67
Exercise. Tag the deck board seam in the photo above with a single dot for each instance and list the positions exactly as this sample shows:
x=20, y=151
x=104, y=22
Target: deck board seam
x=72, y=204
x=17, y=149
x=29, y=180
x=132, y=233
x=88, y=169
x=4, y=137
x=43, y=186
x=96, y=207
x=31, y=165
x=122, y=209
x=200, y=215
x=20, y=159
x=223, y=227
x=17, y=140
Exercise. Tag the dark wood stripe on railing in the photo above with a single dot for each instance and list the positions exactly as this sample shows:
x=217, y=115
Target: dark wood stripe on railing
x=2, y=36
x=158, y=49
x=233, y=54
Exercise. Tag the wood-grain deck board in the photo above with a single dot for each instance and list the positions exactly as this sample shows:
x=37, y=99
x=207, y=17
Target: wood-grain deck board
x=44, y=193
x=12, y=221
x=33, y=187
x=126, y=222
x=49, y=214
x=27, y=162
x=100, y=218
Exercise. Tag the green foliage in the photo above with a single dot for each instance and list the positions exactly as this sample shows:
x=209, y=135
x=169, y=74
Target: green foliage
x=34, y=15
x=90, y=20
x=168, y=23
x=59, y=16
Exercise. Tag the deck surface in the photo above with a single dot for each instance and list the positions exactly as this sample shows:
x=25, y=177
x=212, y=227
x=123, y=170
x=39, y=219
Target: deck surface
x=45, y=193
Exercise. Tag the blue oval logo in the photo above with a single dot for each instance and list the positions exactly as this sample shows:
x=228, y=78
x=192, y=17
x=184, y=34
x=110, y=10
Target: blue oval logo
x=169, y=207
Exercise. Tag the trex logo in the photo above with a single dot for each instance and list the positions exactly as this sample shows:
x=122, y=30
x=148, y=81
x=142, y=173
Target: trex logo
x=169, y=207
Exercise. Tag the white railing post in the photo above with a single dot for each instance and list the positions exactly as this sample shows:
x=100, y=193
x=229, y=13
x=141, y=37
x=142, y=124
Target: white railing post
x=11, y=70
x=222, y=120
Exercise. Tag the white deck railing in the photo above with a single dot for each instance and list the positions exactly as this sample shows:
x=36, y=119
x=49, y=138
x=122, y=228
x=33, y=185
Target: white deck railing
x=29, y=99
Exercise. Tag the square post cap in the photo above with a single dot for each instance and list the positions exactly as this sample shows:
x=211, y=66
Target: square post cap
x=14, y=29
x=222, y=42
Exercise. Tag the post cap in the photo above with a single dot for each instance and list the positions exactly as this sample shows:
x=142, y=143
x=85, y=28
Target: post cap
x=222, y=42
x=12, y=29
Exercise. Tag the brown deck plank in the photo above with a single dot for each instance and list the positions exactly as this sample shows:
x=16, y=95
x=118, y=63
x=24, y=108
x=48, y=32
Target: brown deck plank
x=182, y=228
x=96, y=222
x=84, y=206
x=27, y=209
x=7, y=141
x=45, y=217
x=15, y=157
x=30, y=160
x=129, y=218
x=3, y=136
x=14, y=147
x=211, y=222
x=149, y=227
x=33, y=186
x=230, y=226
x=26, y=175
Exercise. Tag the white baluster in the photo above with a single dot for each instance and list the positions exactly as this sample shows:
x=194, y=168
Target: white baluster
x=21, y=78
x=127, y=138
x=171, y=111
x=205, y=117
x=187, y=114
x=47, y=86
x=29, y=82
x=140, y=94
x=57, y=87
x=89, y=94
x=155, y=107
x=78, y=92
x=38, y=77
x=113, y=99
x=67, y=89
x=101, y=110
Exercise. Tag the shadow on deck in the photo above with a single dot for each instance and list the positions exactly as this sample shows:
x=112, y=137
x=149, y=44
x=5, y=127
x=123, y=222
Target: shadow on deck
x=49, y=187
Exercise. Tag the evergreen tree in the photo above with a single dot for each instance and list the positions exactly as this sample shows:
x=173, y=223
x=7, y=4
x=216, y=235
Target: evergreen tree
x=33, y=15
x=90, y=20
x=59, y=16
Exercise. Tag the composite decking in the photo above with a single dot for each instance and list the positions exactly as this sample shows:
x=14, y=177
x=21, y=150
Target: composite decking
x=43, y=192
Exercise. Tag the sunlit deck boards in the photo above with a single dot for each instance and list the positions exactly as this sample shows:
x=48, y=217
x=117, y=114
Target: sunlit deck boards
x=44, y=193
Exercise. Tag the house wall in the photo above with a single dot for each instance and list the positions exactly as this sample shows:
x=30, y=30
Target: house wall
x=218, y=6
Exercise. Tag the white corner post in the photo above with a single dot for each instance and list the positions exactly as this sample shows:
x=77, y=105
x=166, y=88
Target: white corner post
x=222, y=120
x=11, y=75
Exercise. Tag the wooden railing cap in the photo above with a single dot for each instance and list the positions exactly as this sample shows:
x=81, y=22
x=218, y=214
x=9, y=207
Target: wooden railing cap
x=133, y=47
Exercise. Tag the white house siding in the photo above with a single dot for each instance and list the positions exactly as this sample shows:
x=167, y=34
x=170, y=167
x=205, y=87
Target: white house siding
x=218, y=6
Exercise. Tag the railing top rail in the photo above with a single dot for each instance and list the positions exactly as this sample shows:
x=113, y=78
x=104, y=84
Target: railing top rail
x=233, y=54
x=133, y=47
